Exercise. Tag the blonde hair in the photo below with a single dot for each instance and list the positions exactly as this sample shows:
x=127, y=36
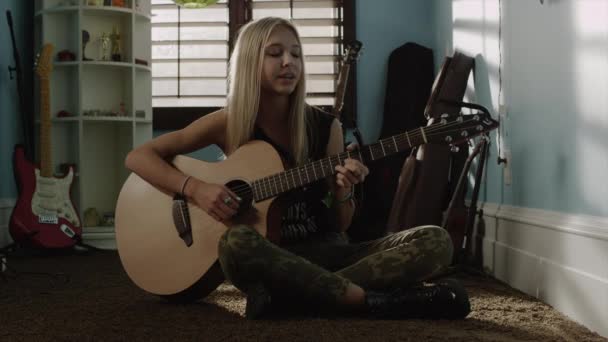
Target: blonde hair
x=244, y=83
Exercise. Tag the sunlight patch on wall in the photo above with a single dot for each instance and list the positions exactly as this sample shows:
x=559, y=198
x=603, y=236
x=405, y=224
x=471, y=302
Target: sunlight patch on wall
x=591, y=158
x=591, y=56
x=476, y=33
x=476, y=24
x=591, y=17
x=475, y=9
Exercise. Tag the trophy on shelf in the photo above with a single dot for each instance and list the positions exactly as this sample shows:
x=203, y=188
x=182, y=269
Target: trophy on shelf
x=86, y=37
x=105, y=42
x=115, y=38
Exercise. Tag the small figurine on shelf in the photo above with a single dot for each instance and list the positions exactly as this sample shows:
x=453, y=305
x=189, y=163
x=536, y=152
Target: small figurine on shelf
x=66, y=56
x=91, y=217
x=122, y=110
x=107, y=219
x=115, y=37
x=118, y=3
x=105, y=42
x=86, y=37
x=63, y=114
x=141, y=61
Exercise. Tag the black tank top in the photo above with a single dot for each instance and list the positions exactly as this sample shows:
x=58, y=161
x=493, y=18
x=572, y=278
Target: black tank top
x=304, y=212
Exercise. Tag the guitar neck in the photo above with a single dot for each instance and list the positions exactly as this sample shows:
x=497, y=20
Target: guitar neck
x=279, y=183
x=341, y=89
x=46, y=163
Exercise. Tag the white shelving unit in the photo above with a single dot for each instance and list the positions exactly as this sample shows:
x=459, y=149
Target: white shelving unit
x=109, y=101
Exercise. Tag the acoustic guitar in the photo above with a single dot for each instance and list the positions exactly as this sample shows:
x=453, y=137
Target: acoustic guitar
x=44, y=215
x=175, y=254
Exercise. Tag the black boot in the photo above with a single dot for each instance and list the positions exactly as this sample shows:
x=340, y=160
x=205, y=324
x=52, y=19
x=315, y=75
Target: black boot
x=259, y=302
x=446, y=299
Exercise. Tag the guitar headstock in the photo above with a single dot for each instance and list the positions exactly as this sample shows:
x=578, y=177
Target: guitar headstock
x=456, y=129
x=44, y=61
x=352, y=51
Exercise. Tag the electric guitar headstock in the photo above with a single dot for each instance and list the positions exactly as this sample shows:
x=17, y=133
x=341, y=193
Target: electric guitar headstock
x=352, y=51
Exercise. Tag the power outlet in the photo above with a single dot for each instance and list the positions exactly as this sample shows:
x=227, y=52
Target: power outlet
x=507, y=176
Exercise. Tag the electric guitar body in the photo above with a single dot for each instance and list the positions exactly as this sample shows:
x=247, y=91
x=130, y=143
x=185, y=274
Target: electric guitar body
x=44, y=215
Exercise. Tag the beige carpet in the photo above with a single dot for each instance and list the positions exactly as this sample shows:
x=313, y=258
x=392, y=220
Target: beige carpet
x=93, y=299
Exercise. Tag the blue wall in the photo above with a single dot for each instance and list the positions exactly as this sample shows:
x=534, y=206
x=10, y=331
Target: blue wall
x=10, y=121
x=554, y=85
x=382, y=26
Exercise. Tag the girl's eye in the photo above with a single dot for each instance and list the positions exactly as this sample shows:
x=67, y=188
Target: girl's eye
x=296, y=55
x=274, y=53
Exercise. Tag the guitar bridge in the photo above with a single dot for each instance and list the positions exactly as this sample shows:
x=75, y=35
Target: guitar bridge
x=181, y=219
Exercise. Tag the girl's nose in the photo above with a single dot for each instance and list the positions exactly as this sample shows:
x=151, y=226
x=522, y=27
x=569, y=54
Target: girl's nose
x=287, y=59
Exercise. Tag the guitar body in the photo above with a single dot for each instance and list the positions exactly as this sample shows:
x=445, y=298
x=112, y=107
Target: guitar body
x=44, y=215
x=151, y=251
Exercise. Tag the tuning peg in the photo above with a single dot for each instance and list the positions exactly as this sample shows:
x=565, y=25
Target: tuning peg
x=445, y=115
x=454, y=148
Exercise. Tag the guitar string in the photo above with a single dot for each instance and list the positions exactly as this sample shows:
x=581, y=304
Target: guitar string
x=246, y=189
x=400, y=138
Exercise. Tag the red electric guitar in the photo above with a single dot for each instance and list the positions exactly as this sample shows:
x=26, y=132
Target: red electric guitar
x=44, y=216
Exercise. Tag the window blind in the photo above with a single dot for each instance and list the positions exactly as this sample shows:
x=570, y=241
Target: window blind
x=190, y=49
x=189, y=55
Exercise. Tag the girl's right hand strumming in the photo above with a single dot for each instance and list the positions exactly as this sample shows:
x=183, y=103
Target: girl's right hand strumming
x=216, y=200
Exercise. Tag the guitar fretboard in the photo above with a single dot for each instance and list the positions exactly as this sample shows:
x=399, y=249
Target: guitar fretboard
x=46, y=163
x=279, y=183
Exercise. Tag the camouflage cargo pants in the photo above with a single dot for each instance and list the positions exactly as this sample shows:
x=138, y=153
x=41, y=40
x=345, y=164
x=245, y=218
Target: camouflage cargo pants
x=320, y=269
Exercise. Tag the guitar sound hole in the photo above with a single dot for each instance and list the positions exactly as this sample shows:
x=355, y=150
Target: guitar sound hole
x=244, y=191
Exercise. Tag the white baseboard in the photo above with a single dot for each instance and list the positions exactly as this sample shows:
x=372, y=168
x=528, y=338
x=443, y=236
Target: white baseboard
x=556, y=257
x=100, y=237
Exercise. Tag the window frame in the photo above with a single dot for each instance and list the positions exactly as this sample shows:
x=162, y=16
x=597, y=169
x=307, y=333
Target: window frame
x=239, y=12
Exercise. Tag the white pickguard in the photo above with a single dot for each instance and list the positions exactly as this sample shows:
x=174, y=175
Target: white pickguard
x=52, y=199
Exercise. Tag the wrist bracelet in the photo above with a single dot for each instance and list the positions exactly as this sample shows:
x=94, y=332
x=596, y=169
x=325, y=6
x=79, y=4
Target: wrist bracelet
x=346, y=198
x=184, y=186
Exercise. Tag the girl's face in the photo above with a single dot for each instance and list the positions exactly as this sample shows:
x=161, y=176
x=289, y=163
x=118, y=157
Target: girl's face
x=282, y=66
